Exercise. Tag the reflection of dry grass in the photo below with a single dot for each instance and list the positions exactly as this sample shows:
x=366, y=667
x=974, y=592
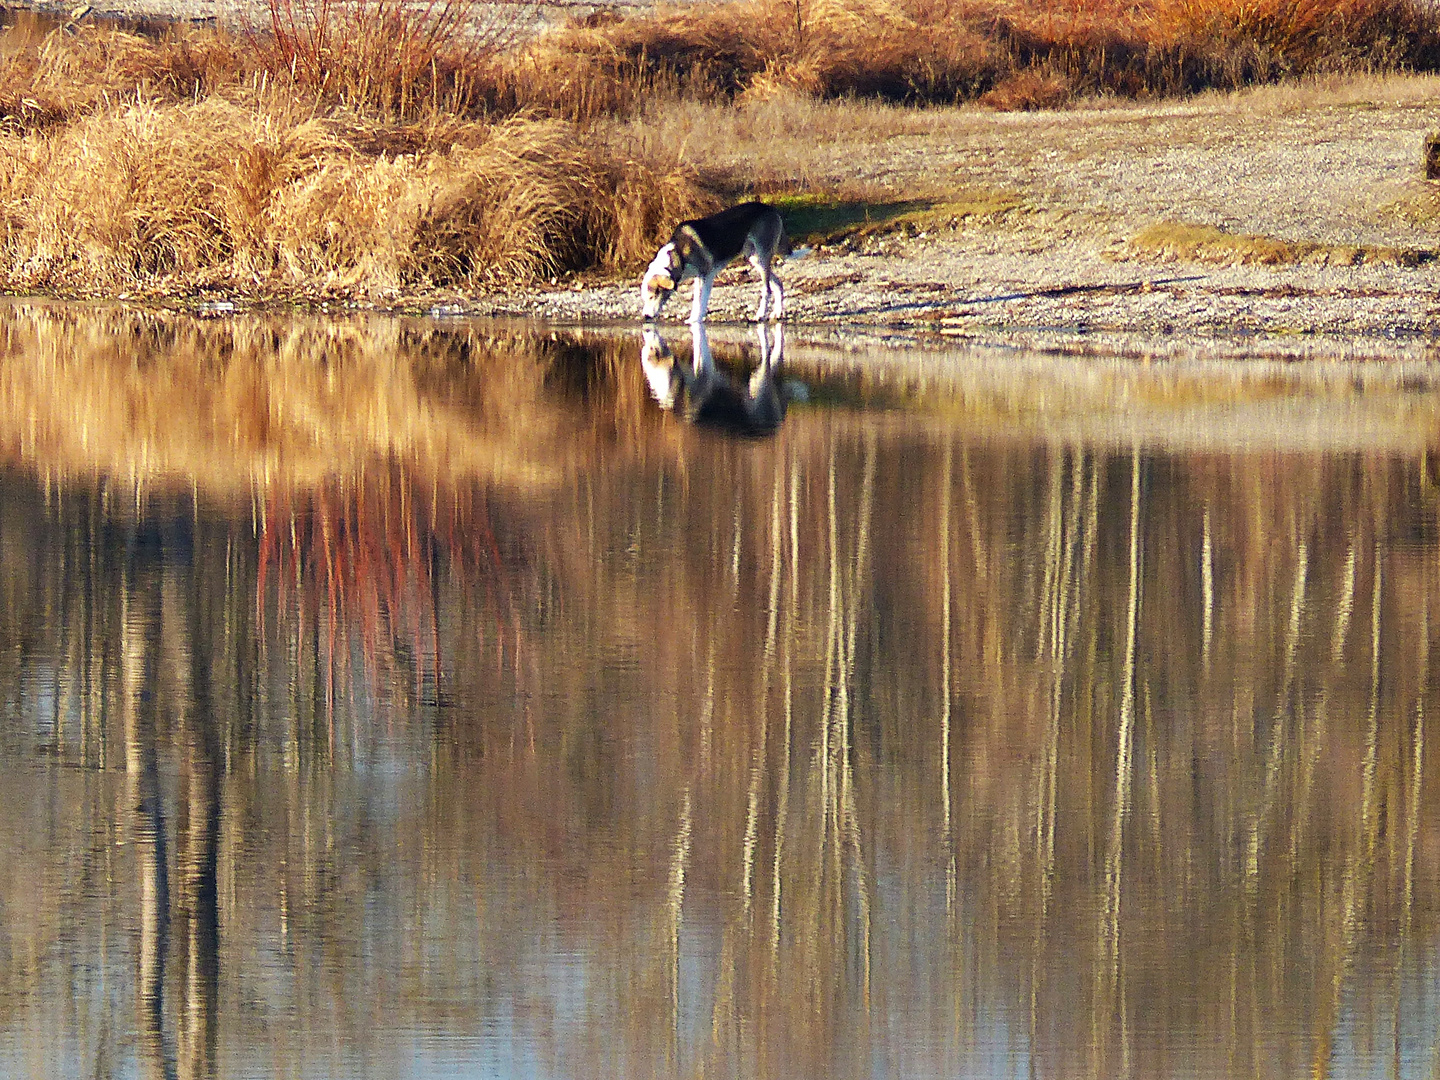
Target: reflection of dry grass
x=359, y=556
x=828, y=726
x=225, y=405
x=231, y=404
x=968, y=748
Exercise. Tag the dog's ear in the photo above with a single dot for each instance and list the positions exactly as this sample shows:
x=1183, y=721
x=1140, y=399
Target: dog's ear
x=664, y=281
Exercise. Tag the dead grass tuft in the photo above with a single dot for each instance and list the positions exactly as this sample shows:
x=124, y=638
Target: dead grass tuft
x=1010, y=55
x=1027, y=90
x=49, y=79
x=749, y=49
x=394, y=56
x=191, y=195
x=1239, y=41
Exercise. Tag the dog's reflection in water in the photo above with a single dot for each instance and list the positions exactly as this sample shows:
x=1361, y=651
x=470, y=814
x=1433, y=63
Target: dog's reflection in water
x=705, y=394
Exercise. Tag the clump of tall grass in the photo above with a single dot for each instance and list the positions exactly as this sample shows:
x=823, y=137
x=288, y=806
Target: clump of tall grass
x=726, y=49
x=1007, y=54
x=392, y=55
x=186, y=194
x=1236, y=42
x=133, y=163
x=50, y=78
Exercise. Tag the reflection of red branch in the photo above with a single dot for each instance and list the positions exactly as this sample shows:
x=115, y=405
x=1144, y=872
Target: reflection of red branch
x=363, y=556
x=327, y=543
x=472, y=536
x=265, y=554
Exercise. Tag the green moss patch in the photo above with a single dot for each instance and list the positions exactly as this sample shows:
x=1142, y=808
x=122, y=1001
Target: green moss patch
x=823, y=219
x=1205, y=243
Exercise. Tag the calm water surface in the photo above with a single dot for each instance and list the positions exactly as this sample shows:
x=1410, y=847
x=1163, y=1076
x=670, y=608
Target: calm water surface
x=380, y=698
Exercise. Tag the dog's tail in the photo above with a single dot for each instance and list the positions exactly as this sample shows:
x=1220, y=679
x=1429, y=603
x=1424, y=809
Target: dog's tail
x=786, y=248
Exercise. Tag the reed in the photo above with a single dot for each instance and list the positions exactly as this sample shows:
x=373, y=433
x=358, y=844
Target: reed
x=390, y=55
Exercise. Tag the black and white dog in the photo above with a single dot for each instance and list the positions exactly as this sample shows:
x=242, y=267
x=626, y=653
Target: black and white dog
x=703, y=247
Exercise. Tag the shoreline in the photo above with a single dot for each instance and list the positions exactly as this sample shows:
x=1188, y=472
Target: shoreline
x=1284, y=220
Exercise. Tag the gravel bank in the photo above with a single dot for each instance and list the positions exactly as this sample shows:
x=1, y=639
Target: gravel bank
x=1334, y=170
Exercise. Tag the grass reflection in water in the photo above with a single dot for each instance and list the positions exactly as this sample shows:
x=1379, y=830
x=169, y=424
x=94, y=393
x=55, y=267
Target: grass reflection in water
x=420, y=695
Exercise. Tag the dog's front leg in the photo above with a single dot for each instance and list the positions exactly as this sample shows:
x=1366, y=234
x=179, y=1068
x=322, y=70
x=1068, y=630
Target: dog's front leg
x=777, y=296
x=764, y=271
x=701, y=302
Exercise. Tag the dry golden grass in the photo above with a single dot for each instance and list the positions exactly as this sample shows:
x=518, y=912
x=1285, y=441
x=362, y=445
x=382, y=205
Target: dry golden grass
x=139, y=164
x=186, y=195
x=391, y=55
x=49, y=78
x=734, y=49
x=1010, y=55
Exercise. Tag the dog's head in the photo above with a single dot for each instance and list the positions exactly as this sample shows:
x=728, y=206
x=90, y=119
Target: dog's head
x=661, y=373
x=661, y=277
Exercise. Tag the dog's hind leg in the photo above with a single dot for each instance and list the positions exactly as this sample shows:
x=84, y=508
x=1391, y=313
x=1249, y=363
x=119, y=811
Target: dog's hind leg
x=777, y=297
x=763, y=269
x=772, y=293
x=701, y=302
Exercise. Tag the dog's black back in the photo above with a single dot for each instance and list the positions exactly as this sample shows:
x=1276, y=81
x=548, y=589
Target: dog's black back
x=717, y=401
x=725, y=234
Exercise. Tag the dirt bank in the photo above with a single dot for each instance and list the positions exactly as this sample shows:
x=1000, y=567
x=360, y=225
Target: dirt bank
x=1289, y=219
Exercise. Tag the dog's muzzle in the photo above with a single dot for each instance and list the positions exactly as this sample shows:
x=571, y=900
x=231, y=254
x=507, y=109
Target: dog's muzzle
x=654, y=291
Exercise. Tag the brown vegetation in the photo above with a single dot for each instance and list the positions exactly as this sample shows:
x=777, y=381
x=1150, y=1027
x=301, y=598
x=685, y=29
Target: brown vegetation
x=432, y=152
x=1008, y=55
x=130, y=164
x=385, y=54
x=181, y=195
